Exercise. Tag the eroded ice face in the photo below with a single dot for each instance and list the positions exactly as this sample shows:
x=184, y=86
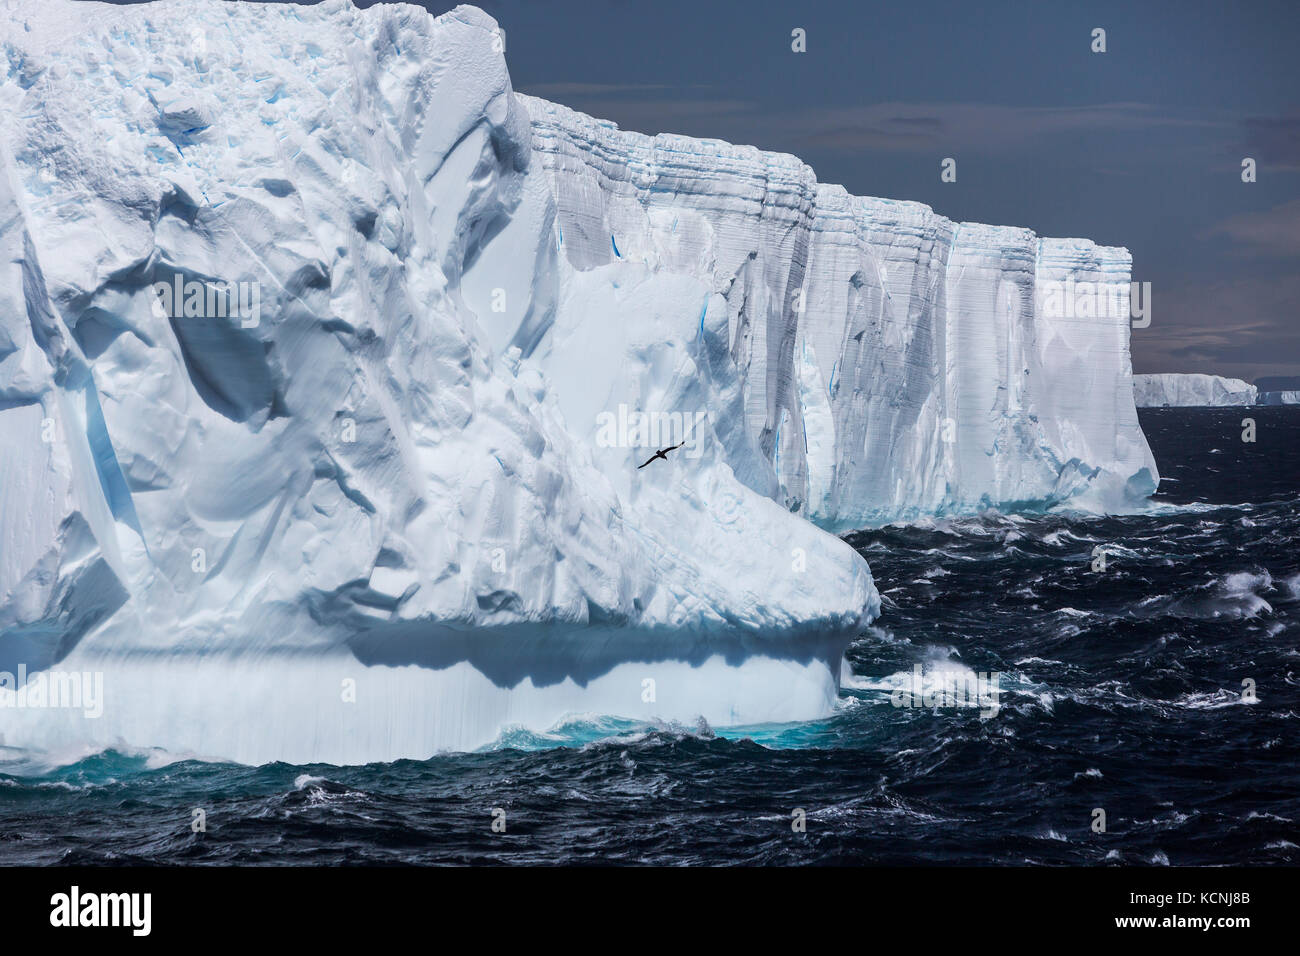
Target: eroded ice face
x=240, y=523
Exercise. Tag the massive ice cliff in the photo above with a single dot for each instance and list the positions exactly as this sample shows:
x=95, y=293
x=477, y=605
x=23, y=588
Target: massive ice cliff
x=1191, y=389
x=895, y=363
x=391, y=503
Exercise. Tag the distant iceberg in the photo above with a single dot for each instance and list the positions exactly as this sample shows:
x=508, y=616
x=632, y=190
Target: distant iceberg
x=1289, y=397
x=1178, y=390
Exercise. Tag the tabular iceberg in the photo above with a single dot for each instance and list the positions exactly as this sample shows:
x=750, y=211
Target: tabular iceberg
x=383, y=498
x=1185, y=390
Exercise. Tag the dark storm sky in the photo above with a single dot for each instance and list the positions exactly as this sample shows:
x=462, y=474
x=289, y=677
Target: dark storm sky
x=1140, y=146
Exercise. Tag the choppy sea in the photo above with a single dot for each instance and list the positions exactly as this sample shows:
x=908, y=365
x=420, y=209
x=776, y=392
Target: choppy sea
x=1148, y=712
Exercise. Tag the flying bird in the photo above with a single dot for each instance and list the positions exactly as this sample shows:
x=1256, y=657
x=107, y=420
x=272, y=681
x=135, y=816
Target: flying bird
x=661, y=453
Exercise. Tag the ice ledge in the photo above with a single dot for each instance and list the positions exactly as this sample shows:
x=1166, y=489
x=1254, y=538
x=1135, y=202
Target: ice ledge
x=673, y=162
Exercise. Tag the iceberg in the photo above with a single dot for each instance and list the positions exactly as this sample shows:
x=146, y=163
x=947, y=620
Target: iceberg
x=330, y=366
x=1185, y=390
x=1278, y=390
x=1284, y=397
x=333, y=520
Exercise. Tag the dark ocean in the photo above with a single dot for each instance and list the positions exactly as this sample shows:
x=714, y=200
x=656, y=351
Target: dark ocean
x=1126, y=689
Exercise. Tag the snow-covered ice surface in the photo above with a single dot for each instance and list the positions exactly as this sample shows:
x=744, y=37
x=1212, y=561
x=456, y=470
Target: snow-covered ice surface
x=396, y=508
x=1186, y=390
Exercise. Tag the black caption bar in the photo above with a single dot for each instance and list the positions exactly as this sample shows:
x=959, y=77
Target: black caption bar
x=337, y=904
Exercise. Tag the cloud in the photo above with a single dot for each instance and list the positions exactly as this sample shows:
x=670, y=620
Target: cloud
x=1239, y=327
x=1274, y=141
x=879, y=127
x=556, y=90
x=1274, y=231
x=978, y=126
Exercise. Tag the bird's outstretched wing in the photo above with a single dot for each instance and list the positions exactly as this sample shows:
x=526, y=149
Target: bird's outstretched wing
x=661, y=453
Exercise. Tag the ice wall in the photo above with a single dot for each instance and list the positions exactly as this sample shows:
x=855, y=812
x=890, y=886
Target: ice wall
x=895, y=363
x=1156, y=391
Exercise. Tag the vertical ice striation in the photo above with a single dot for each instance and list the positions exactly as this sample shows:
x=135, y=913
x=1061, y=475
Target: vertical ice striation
x=736, y=217
x=1085, y=393
x=874, y=329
